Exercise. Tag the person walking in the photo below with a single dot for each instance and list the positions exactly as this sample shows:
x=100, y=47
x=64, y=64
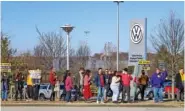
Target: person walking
x=126, y=79
x=100, y=83
x=29, y=87
x=157, y=80
x=179, y=80
x=86, y=88
x=115, y=87
x=68, y=87
x=142, y=81
x=52, y=80
x=4, y=87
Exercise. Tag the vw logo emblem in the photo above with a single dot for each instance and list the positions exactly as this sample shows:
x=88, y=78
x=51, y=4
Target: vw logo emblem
x=136, y=34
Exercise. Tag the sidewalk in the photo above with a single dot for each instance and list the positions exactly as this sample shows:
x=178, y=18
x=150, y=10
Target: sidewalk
x=166, y=104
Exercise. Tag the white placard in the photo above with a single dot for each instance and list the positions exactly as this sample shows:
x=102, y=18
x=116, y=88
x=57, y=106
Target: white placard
x=35, y=74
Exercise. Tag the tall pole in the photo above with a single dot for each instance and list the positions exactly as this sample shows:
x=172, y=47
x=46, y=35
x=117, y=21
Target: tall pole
x=67, y=28
x=173, y=61
x=86, y=34
x=118, y=36
x=118, y=33
x=67, y=51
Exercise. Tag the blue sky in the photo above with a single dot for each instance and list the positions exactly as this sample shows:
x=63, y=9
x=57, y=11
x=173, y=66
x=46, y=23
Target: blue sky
x=19, y=20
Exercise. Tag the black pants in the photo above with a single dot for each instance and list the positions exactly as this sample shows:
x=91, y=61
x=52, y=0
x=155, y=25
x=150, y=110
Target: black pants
x=81, y=90
x=126, y=89
x=36, y=91
x=30, y=91
x=107, y=87
x=52, y=97
x=141, y=91
x=18, y=92
x=180, y=94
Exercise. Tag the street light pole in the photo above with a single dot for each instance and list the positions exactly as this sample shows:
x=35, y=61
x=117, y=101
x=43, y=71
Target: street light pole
x=86, y=33
x=67, y=51
x=67, y=28
x=118, y=33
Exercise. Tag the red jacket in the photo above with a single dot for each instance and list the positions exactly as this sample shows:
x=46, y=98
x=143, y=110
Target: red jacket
x=126, y=78
x=52, y=78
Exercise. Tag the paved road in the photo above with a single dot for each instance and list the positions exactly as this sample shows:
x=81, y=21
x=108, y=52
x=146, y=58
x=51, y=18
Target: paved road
x=87, y=109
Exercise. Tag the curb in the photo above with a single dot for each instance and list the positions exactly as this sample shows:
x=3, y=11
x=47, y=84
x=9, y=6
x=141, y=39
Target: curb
x=90, y=105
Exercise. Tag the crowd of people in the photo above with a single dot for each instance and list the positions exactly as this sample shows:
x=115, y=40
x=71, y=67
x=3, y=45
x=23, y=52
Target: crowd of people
x=108, y=83
x=114, y=83
x=23, y=89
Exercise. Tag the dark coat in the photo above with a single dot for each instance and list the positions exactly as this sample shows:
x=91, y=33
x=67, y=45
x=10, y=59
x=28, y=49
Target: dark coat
x=19, y=82
x=178, y=81
x=4, y=83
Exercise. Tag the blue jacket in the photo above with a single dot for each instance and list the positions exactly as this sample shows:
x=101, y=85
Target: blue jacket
x=97, y=80
x=157, y=81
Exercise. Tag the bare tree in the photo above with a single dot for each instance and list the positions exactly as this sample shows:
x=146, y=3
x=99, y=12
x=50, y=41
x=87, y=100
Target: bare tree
x=83, y=53
x=170, y=35
x=51, y=46
x=108, y=57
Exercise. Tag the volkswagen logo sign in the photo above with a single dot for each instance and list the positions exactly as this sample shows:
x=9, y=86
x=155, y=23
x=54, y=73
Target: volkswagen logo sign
x=136, y=34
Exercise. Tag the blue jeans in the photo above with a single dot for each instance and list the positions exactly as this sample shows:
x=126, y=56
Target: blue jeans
x=100, y=94
x=68, y=96
x=158, y=94
x=4, y=95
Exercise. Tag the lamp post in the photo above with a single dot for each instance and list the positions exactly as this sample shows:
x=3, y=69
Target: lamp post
x=86, y=33
x=67, y=28
x=118, y=2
